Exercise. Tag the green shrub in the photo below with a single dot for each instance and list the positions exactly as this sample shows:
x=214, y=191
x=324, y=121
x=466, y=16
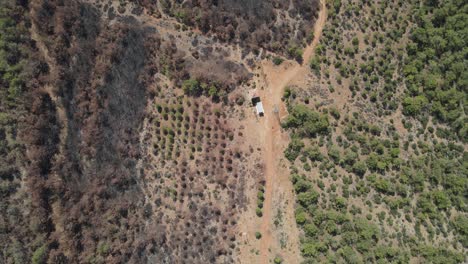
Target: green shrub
x=307, y=122
x=260, y=195
x=192, y=87
x=350, y=157
x=310, y=230
x=360, y=168
x=258, y=235
x=277, y=60
x=441, y=200
x=308, y=198
x=301, y=217
x=335, y=113
x=103, y=248
x=301, y=185
x=383, y=185
x=260, y=203
x=259, y=212
x=309, y=249
x=413, y=105
x=295, y=52
x=40, y=255
x=334, y=153
x=313, y=153
x=294, y=148
x=278, y=260
x=315, y=64
x=460, y=223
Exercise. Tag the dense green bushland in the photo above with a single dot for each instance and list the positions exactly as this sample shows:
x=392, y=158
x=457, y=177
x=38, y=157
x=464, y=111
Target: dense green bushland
x=373, y=185
x=436, y=71
x=362, y=166
x=13, y=53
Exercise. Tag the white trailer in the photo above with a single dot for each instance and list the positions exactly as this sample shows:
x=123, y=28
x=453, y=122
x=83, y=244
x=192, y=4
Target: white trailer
x=259, y=107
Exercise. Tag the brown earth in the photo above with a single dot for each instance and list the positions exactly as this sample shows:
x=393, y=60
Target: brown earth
x=275, y=140
x=127, y=168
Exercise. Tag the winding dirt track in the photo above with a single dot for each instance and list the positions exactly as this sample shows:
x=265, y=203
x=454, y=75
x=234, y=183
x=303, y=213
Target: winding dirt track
x=276, y=79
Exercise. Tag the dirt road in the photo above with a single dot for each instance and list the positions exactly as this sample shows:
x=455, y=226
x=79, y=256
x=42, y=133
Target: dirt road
x=276, y=79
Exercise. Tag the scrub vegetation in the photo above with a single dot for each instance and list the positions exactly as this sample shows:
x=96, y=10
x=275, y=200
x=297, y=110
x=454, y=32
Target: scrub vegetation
x=381, y=177
x=119, y=126
x=126, y=135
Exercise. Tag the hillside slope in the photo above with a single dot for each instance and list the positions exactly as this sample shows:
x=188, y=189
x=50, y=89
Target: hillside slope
x=128, y=135
x=378, y=135
x=124, y=134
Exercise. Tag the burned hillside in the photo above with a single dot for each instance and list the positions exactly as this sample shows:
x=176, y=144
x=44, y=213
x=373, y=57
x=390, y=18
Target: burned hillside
x=278, y=26
x=118, y=134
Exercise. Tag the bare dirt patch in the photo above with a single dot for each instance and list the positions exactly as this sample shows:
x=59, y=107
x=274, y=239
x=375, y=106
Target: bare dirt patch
x=280, y=236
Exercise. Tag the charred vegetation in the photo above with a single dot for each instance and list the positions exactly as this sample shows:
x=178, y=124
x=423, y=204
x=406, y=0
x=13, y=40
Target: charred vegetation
x=272, y=25
x=79, y=182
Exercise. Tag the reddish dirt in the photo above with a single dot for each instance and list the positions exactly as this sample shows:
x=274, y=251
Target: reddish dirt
x=276, y=79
